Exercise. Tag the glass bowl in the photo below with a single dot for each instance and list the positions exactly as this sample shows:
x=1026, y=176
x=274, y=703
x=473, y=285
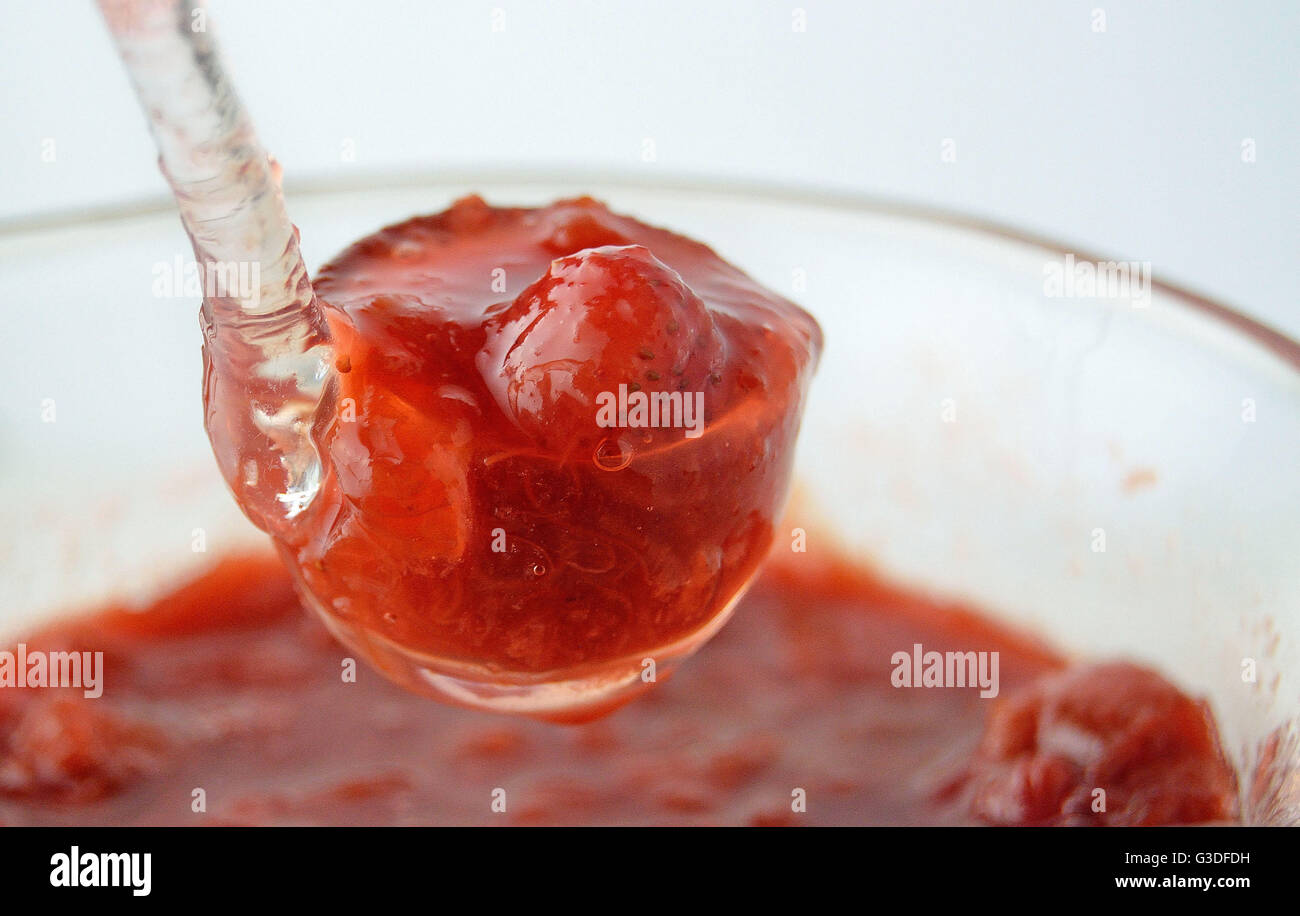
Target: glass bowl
x=1115, y=469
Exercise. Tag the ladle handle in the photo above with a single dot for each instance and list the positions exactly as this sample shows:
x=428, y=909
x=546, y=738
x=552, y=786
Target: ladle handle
x=267, y=361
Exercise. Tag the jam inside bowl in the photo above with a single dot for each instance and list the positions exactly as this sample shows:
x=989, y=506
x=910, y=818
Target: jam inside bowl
x=1104, y=466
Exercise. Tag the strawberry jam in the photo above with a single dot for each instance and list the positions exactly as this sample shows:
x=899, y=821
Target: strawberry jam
x=561, y=440
x=788, y=717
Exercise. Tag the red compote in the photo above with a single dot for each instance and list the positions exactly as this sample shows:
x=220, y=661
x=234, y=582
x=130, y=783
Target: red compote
x=228, y=687
x=560, y=441
x=1049, y=752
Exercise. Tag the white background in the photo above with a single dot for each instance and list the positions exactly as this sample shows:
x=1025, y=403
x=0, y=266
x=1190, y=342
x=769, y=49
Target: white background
x=1126, y=142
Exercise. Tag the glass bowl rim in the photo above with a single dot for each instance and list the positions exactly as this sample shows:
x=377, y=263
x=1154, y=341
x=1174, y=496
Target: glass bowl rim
x=1225, y=317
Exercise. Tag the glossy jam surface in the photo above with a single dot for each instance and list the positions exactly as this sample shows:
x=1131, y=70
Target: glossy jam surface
x=493, y=501
x=228, y=686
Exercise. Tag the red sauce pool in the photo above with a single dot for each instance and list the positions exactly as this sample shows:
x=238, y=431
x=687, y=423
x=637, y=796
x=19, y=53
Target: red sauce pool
x=228, y=686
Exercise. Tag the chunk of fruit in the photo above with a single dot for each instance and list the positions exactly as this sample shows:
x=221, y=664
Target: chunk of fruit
x=1101, y=744
x=599, y=319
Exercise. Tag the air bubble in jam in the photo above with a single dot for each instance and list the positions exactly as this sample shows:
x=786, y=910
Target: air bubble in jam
x=611, y=455
x=488, y=553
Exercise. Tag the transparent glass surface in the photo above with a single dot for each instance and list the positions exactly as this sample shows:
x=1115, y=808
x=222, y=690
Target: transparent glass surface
x=1117, y=474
